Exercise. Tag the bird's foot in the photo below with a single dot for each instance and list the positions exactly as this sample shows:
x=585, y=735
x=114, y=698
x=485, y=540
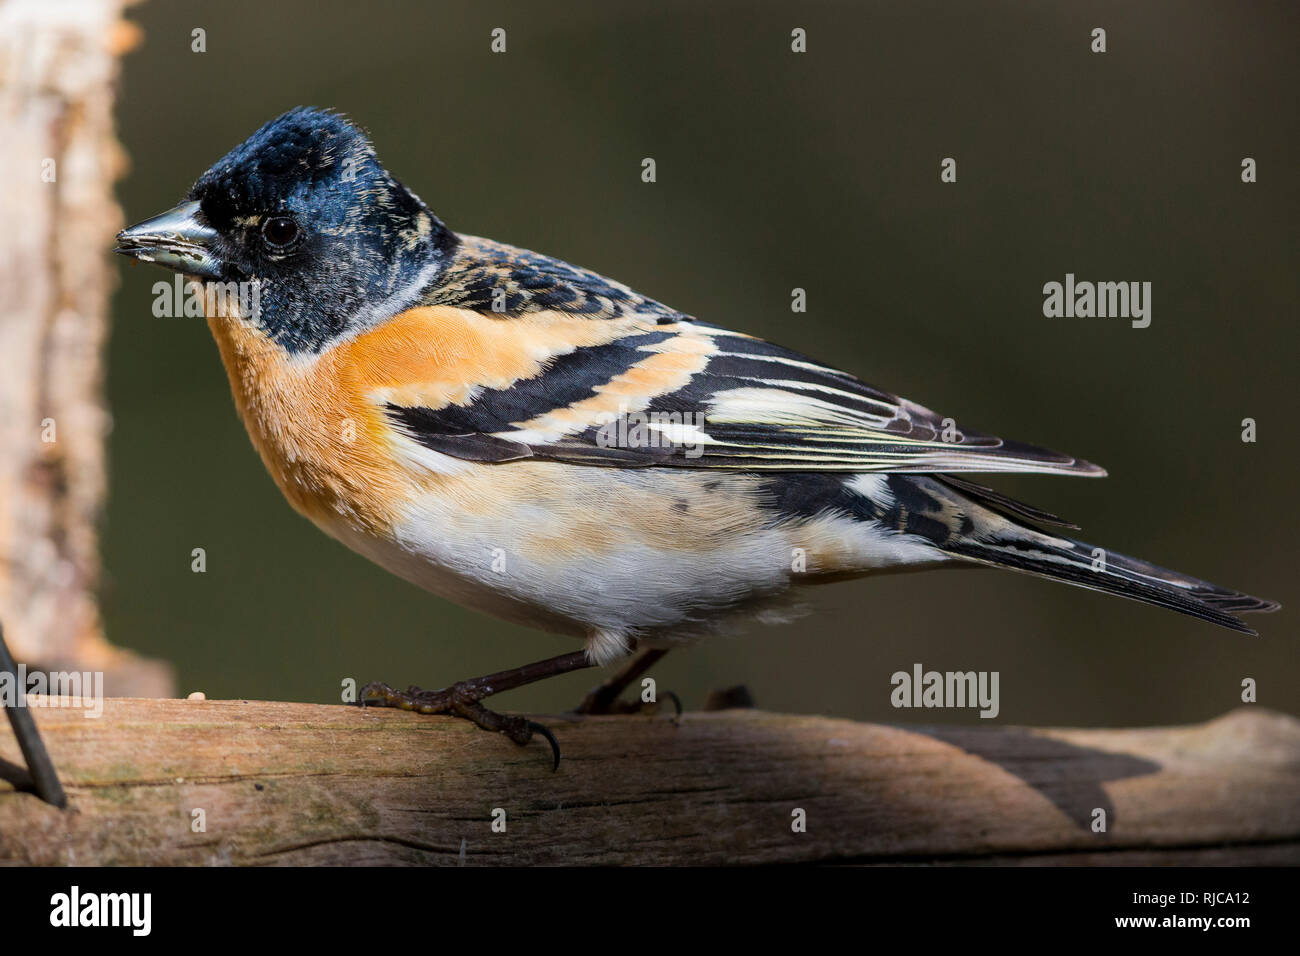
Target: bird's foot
x=459, y=700
x=604, y=698
x=596, y=703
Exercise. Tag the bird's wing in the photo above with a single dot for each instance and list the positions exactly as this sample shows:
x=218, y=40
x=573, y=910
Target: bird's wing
x=660, y=390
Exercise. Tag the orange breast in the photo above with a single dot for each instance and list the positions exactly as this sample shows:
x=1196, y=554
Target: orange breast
x=319, y=422
x=322, y=440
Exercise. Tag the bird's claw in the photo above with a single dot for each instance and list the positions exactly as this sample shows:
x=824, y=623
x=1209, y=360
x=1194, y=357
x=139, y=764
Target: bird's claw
x=459, y=700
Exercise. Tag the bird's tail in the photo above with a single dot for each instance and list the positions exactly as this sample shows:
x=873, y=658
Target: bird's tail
x=997, y=536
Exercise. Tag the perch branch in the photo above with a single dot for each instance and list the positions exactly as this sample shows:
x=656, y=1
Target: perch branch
x=290, y=783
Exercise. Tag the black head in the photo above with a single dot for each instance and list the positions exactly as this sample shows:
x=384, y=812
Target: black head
x=304, y=209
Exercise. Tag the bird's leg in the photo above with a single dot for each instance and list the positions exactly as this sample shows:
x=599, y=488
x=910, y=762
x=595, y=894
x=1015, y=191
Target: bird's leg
x=603, y=698
x=463, y=699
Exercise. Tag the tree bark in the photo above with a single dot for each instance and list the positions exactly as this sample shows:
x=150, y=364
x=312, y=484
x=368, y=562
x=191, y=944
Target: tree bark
x=279, y=783
x=58, y=67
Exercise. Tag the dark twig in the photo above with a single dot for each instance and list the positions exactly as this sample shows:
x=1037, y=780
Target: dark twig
x=44, y=778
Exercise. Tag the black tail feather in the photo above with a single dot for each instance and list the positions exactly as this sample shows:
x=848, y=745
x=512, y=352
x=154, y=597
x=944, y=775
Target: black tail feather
x=1004, y=504
x=1084, y=565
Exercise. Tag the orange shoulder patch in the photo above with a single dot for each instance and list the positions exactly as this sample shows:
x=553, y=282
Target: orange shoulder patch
x=434, y=356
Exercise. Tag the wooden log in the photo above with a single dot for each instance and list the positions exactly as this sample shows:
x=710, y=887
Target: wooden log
x=281, y=783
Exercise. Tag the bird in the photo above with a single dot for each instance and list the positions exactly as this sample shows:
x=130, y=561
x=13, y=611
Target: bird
x=538, y=442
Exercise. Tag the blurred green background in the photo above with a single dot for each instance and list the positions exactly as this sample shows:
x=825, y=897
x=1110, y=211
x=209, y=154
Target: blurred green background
x=778, y=170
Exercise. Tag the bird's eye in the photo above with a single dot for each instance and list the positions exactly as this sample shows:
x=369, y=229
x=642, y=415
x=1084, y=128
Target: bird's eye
x=279, y=232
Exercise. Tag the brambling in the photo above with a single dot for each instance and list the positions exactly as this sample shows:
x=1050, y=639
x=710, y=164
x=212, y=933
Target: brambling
x=536, y=441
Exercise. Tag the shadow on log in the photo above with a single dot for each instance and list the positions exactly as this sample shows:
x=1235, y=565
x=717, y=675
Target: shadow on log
x=280, y=783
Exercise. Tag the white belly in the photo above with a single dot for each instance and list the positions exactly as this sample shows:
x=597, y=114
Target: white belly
x=615, y=557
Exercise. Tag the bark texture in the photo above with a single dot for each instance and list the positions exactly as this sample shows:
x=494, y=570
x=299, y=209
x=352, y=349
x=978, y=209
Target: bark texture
x=280, y=783
x=59, y=158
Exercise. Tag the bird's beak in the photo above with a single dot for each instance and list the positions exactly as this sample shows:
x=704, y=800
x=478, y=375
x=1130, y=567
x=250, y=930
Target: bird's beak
x=177, y=239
